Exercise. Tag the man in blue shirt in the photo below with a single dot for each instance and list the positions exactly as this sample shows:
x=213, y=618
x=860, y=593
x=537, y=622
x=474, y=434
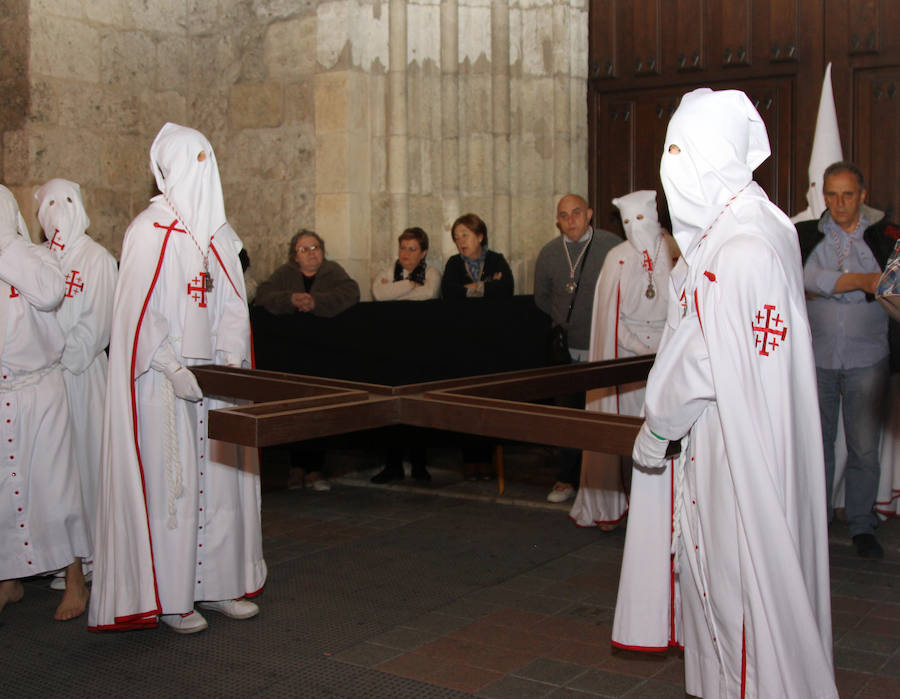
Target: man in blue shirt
x=844, y=254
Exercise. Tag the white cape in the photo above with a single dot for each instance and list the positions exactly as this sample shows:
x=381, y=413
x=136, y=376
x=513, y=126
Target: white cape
x=213, y=515
x=735, y=373
x=623, y=320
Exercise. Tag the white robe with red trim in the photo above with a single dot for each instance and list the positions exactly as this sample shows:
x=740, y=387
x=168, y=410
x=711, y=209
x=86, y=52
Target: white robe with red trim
x=735, y=375
x=85, y=316
x=624, y=323
x=178, y=514
x=42, y=524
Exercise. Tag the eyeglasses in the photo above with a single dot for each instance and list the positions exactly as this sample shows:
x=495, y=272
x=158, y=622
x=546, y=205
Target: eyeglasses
x=308, y=248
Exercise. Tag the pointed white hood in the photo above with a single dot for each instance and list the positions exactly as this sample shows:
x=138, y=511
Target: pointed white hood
x=826, y=149
x=640, y=220
x=184, y=165
x=61, y=214
x=714, y=142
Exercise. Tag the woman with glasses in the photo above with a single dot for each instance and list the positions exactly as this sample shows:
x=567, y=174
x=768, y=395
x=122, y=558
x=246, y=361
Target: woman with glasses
x=308, y=283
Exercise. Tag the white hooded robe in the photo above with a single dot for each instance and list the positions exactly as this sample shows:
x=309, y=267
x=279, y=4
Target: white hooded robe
x=734, y=380
x=84, y=315
x=42, y=524
x=625, y=323
x=178, y=514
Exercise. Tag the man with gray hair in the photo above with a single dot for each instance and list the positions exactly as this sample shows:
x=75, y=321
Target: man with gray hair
x=565, y=274
x=844, y=254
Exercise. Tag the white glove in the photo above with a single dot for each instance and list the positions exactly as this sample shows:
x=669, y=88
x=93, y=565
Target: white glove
x=649, y=450
x=185, y=384
x=231, y=359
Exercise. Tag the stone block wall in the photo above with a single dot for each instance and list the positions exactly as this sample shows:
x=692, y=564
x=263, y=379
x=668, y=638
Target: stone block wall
x=354, y=117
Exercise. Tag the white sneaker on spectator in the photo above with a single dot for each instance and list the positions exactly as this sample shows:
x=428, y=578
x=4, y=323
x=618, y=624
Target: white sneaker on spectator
x=561, y=492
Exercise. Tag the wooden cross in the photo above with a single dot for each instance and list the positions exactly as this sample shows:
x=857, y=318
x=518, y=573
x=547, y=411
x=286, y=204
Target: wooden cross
x=290, y=407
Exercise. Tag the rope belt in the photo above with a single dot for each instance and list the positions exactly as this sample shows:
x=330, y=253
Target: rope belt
x=27, y=380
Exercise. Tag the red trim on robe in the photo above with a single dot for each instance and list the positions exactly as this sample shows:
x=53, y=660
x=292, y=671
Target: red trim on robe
x=134, y=419
x=697, y=307
x=616, y=345
x=255, y=593
x=222, y=266
x=672, y=635
x=743, y=660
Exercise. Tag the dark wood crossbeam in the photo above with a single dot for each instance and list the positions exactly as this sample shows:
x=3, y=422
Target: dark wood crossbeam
x=290, y=407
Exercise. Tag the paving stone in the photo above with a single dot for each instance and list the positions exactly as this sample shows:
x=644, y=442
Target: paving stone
x=550, y=671
x=367, y=654
x=606, y=684
x=515, y=688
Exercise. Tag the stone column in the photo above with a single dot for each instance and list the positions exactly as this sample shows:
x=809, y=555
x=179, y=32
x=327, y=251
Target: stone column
x=398, y=153
x=450, y=171
x=500, y=238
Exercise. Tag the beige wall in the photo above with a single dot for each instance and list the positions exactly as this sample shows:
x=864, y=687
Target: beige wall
x=357, y=118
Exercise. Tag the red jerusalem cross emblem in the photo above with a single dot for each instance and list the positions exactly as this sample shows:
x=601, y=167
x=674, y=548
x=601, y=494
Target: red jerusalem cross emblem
x=74, y=283
x=768, y=330
x=54, y=243
x=198, y=290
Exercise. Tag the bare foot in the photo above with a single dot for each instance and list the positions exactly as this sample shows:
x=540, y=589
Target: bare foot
x=10, y=591
x=607, y=527
x=75, y=597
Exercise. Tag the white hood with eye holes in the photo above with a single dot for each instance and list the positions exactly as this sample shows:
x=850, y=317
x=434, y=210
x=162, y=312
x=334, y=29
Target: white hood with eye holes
x=639, y=218
x=61, y=214
x=184, y=165
x=714, y=142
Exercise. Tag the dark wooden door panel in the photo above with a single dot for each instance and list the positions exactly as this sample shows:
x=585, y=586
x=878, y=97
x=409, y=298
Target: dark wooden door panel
x=645, y=37
x=877, y=129
x=863, y=26
x=731, y=28
x=683, y=23
x=603, y=40
x=783, y=30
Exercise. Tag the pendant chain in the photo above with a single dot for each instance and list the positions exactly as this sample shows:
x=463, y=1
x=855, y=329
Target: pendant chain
x=208, y=280
x=839, y=249
x=570, y=286
x=651, y=291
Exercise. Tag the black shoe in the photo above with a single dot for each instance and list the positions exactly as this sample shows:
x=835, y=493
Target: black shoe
x=386, y=475
x=867, y=546
x=420, y=473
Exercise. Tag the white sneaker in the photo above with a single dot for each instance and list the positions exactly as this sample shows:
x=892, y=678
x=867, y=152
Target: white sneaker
x=232, y=608
x=560, y=493
x=192, y=622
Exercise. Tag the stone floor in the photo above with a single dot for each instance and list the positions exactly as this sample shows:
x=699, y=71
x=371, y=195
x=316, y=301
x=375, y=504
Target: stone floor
x=437, y=590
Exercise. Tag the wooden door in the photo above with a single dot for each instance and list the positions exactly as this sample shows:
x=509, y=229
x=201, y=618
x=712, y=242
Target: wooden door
x=630, y=132
x=877, y=134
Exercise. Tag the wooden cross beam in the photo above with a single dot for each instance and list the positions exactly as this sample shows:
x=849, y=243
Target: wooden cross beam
x=290, y=407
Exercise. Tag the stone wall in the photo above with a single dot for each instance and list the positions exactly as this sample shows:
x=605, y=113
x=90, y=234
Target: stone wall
x=357, y=118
